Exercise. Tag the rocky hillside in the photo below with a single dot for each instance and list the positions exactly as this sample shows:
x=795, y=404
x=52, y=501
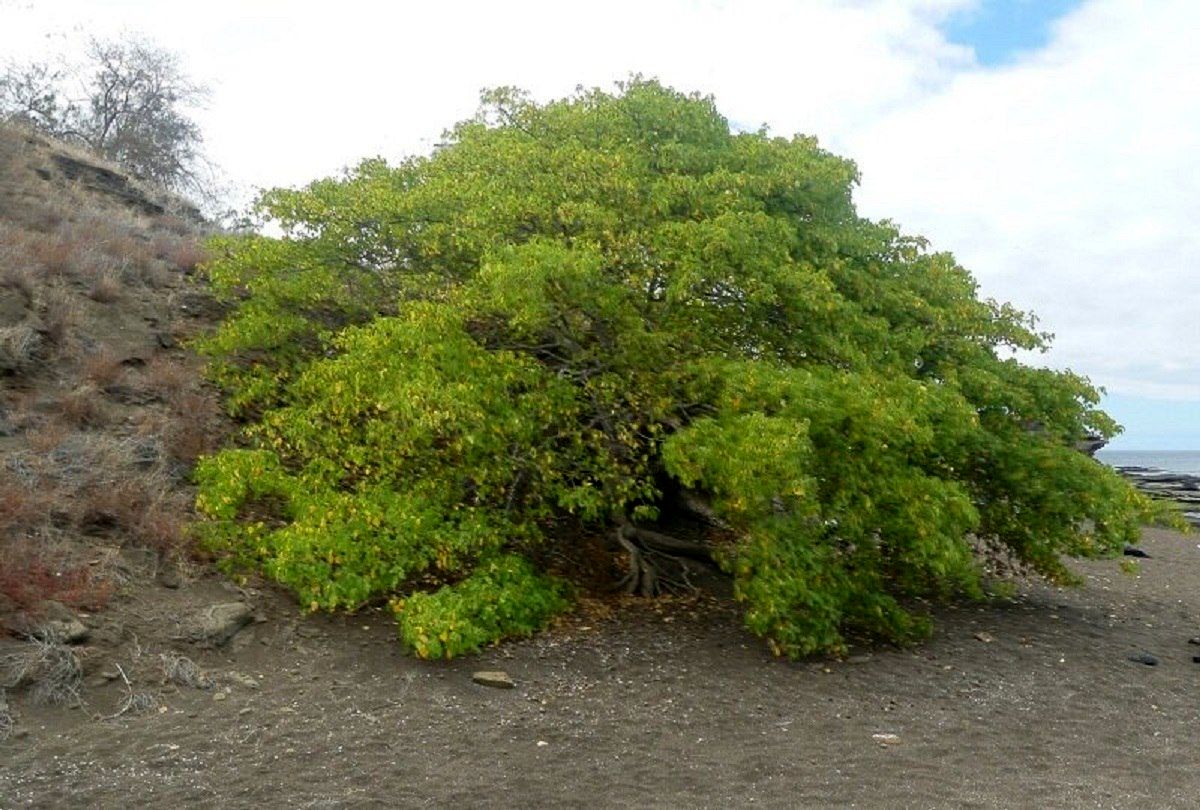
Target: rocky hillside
x=102, y=411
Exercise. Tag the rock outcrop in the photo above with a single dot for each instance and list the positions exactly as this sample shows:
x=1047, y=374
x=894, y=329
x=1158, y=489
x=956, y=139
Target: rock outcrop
x=1182, y=488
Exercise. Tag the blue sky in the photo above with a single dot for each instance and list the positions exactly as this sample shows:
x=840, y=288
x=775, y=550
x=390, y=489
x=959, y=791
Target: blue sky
x=1000, y=30
x=1154, y=424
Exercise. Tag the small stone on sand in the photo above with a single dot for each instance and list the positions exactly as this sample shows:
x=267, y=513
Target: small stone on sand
x=495, y=679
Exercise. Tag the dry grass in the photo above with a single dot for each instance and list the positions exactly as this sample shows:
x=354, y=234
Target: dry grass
x=105, y=287
x=133, y=494
x=194, y=430
x=16, y=275
x=173, y=223
x=60, y=314
x=157, y=276
x=21, y=505
x=59, y=253
x=83, y=407
x=46, y=435
x=19, y=346
x=102, y=368
x=187, y=255
x=168, y=378
x=162, y=528
x=191, y=428
x=73, y=468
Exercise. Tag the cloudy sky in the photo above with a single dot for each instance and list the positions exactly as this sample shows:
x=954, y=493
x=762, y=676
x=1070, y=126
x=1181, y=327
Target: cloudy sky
x=1052, y=145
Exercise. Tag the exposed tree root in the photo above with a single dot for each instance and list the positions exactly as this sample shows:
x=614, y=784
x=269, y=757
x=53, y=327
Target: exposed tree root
x=652, y=555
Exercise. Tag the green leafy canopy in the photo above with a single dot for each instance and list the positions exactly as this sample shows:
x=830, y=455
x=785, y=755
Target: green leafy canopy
x=570, y=319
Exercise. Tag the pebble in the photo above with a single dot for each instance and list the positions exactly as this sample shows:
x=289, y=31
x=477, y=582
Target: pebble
x=1144, y=658
x=494, y=678
x=242, y=679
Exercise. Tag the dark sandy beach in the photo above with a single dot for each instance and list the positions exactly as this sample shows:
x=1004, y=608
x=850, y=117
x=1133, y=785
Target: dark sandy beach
x=1031, y=702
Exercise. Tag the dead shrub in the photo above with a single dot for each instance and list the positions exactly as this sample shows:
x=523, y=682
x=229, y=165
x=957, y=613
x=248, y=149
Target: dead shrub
x=37, y=570
x=52, y=671
x=102, y=368
x=105, y=287
x=134, y=702
x=19, y=346
x=168, y=377
x=183, y=671
x=15, y=275
x=45, y=436
x=187, y=255
x=83, y=407
x=192, y=432
x=187, y=441
x=59, y=253
x=161, y=528
x=176, y=224
x=8, y=720
x=59, y=315
x=156, y=275
x=21, y=506
x=111, y=504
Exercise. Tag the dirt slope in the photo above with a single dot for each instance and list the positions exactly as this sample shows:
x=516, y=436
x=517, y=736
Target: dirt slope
x=101, y=410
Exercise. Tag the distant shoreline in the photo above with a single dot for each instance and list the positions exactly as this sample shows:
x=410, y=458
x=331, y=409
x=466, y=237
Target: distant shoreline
x=1180, y=483
x=1179, y=462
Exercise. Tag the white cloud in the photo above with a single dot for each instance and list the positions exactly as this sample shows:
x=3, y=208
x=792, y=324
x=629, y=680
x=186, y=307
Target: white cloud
x=1067, y=182
x=303, y=88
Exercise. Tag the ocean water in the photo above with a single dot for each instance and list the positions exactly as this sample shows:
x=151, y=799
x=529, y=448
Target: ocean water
x=1176, y=461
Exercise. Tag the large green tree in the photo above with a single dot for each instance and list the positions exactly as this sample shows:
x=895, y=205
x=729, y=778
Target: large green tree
x=610, y=316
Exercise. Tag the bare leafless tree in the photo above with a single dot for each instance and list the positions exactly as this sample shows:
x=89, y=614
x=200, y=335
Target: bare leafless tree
x=133, y=109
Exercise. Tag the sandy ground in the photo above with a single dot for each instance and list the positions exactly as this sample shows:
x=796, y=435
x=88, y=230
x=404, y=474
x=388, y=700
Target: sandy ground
x=1027, y=703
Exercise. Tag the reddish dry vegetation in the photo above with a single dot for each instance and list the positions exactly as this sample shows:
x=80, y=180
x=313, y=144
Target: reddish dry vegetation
x=101, y=413
x=34, y=578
